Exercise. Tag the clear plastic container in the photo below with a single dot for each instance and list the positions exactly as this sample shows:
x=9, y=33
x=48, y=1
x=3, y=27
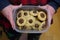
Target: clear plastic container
x=30, y=8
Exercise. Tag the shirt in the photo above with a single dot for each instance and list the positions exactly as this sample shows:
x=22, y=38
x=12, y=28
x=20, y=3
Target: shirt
x=54, y=3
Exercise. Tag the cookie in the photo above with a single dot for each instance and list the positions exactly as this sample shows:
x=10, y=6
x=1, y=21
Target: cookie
x=21, y=21
x=42, y=25
x=30, y=21
x=36, y=25
x=42, y=15
x=33, y=12
x=26, y=14
x=20, y=13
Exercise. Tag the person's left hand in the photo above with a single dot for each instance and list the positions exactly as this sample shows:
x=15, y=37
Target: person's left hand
x=50, y=12
x=8, y=11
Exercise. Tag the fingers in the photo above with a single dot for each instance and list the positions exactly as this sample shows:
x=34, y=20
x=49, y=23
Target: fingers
x=49, y=18
x=10, y=18
x=12, y=22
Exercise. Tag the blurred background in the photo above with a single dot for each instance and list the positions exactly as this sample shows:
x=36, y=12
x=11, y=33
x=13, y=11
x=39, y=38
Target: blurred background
x=52, y=34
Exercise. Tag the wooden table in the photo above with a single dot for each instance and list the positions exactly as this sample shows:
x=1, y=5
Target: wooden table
x=3, y=37
x=54, y=32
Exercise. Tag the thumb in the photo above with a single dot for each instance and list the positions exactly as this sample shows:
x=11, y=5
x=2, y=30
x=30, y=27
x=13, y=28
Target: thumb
x=43, y=7
x=17, y=6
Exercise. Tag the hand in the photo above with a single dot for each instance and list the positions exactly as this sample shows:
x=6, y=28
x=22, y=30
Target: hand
x=8, y=11
x=50, y=12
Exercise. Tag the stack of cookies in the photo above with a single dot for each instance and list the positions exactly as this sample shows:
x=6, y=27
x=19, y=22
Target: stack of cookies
x=31, y=19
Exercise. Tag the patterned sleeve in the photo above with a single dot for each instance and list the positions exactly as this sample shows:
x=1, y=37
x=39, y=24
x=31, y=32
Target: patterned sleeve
x=55, y=4
x=3, y=4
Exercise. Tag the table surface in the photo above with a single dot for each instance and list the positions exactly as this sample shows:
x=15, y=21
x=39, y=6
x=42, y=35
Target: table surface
x=54, y=32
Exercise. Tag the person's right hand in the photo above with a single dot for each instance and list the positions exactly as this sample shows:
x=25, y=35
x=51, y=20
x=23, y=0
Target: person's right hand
x=50, y=12
x=8, y=11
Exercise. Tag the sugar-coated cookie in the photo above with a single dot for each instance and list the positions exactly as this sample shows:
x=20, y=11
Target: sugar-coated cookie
x=33, y=12
x=30, y=21
x=21, y=21
x=26, y=14
x=20, y=13
x=42, y=16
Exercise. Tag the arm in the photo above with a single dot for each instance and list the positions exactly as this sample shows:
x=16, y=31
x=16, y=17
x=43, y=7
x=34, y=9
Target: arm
x=55, y=4
x=3, y=4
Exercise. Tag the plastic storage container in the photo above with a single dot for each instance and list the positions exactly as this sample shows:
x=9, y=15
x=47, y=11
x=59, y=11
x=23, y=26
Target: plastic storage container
x=29, y=8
